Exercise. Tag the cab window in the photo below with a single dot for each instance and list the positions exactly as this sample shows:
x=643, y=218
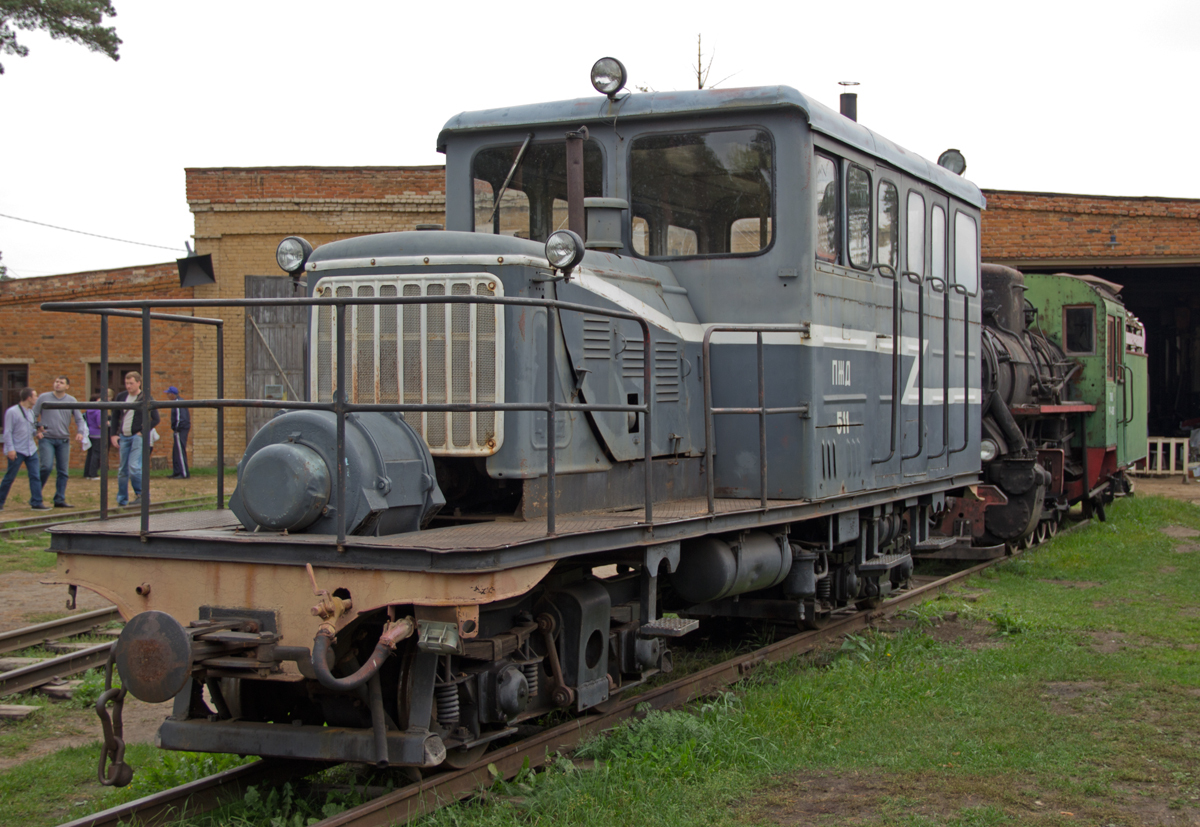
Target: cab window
x=534, y=203
x=826, y=189
x=966, y=252
x=701, y=193
x=1079, y=329
x=858, y=217
x=888, y=235
x=916, y=233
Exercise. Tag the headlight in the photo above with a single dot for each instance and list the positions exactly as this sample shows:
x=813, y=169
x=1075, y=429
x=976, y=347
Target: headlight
x=953, y=160
x=564, y=249
x=608, y=76
x=292, y=253
x=988, y=450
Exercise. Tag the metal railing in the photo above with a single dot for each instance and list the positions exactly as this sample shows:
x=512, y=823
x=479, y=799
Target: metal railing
x=762, y=410
x=339, y=405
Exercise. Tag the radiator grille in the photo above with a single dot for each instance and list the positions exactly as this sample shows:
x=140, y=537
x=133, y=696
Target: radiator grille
x=419, y=354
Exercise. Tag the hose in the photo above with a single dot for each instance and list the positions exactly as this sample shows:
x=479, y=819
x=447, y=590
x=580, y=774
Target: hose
x=383, y=650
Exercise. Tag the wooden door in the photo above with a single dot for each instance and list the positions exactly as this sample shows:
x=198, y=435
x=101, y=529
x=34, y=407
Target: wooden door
x=274, y=347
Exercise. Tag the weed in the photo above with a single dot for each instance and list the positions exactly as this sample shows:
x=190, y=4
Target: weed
x=1007, y=621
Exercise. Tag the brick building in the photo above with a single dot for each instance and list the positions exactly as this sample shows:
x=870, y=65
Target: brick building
x=1150, y=246
x=35, y=346
x=241, y=216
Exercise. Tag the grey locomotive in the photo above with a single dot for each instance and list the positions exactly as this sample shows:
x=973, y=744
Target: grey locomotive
x=675, y=357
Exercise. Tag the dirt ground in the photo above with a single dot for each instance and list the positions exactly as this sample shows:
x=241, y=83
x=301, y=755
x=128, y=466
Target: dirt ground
x=85, y=494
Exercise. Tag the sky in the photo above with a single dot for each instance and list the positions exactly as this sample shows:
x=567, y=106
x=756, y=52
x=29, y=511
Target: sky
x=1047, y=96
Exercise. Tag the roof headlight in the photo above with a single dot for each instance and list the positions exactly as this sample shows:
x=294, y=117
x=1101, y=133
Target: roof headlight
x=292, y=254
x=988, y=450
x=953, y=160
x=564, y=250
x=608, y=76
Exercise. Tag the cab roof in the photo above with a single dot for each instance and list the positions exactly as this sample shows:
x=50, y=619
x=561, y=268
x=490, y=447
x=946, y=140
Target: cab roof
x=641, y=106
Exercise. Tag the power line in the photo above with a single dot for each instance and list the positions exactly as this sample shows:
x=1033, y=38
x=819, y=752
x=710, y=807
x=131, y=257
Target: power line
x=93, y=235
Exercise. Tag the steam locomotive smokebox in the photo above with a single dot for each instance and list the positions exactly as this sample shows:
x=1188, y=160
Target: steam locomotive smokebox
x=287, y=479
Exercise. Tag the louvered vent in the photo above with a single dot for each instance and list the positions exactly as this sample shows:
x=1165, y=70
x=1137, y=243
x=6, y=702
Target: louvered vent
x=597, y=338
x=420, y=354
x=666, y=371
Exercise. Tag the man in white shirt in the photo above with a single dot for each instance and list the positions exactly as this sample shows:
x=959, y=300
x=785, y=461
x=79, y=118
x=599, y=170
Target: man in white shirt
x=20, y=447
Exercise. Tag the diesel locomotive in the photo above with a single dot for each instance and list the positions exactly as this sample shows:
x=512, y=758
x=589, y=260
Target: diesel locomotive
x=674, y=357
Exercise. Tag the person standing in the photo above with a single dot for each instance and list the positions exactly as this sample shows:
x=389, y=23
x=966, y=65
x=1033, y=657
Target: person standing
x=127, y=438
x=91, y=463
x=54, y=428
x=20, y=446
x=181, y=423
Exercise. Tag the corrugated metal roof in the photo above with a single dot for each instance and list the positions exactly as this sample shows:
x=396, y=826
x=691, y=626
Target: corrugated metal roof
x=640, y=106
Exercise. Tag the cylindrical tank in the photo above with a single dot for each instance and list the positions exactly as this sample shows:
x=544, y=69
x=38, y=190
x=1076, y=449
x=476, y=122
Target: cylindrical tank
x=710, y=568
x=287, y=479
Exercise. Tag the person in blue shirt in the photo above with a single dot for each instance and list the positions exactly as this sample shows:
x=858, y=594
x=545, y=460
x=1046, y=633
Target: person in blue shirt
x=20, y=446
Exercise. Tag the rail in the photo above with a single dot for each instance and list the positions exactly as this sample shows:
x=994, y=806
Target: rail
x=339, y=406
x=762, y=410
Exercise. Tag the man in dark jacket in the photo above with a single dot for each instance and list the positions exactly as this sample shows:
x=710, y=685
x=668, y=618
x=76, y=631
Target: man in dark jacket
x=181, y=423
x=127, y=438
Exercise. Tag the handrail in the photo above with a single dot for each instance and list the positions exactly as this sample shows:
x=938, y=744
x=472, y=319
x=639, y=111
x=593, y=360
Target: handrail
x=339, y=406
x=897, y=335
x=1127, y=390
x=934, y=281
x=762, y=410
x=958, y=288
x=916, y=279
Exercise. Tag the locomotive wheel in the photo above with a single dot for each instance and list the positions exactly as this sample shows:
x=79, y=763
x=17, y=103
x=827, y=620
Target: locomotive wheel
x=814, y=619
x=1052, y=527
x=1042, y=532
x=1026, y=541
x=459, y=758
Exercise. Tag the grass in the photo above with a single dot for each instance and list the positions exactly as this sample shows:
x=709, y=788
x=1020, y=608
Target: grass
x=1058, y=688
x=26, y=552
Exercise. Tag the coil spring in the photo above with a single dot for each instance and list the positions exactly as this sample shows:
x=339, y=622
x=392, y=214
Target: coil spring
x=824, y=588
x=531, y=676
x=447, y=704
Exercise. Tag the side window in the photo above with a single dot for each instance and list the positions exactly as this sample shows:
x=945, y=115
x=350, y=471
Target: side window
x=858, y=217
x=533, y=204
x=827, y=209
x=916, y=233
x=1079, y=329
x=966, y=252
x=938, y=237
x=888, y=236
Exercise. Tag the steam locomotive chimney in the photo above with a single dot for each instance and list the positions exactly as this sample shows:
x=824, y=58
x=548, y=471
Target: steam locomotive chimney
x=849, y=100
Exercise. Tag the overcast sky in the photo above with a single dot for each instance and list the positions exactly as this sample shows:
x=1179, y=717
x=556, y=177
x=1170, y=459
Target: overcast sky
x=1080, y=97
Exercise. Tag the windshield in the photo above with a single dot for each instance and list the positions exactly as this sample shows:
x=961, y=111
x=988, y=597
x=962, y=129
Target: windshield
x=534, y=203
x=701, y=193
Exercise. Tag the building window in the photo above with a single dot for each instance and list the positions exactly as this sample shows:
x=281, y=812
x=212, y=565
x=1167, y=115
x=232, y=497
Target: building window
x=116, y=376
x=12, y=379
x=1079, y=329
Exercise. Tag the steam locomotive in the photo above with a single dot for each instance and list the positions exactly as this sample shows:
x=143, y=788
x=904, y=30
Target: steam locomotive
x=675, y=357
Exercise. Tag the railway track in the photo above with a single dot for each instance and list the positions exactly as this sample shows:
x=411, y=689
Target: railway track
x=404, y=804
x=71, y=662
x=24, y=524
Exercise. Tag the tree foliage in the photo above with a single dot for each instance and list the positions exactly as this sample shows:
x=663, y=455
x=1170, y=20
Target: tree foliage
x=76, y=20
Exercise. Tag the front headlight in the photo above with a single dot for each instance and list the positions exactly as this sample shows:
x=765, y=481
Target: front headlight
x=292, y=253
x=988, y=450
x=608, y=76
x=564, y=249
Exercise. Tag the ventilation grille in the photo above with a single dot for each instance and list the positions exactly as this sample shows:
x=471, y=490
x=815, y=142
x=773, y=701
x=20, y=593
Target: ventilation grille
x=666, y=371
x=597, y=338
x=419, y=354
x=829, y=459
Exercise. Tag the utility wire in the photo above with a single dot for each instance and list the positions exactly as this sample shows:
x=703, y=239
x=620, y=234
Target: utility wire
x=93, y=235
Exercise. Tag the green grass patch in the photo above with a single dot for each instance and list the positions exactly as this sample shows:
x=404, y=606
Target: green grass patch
x=26, y=552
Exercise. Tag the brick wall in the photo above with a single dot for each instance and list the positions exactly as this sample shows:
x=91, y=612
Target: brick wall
x=242, y=214
x=54, y=344
x=1027, y=226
